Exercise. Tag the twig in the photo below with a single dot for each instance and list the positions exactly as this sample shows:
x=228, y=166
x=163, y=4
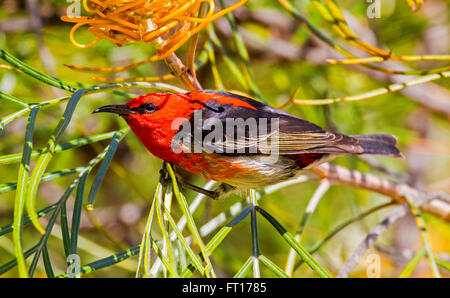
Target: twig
x=369, y=240
x=312, y=204
x=341, y=226
x=437, y=204
x=426, y=239
x=381, y=59
x=376, y=165
x=181, y=72
x=434, y=203
x=395, y=214
x=380, y=91
x=429, y=95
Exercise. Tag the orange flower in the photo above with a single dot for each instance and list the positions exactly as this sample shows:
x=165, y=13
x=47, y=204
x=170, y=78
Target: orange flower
x=166, y=23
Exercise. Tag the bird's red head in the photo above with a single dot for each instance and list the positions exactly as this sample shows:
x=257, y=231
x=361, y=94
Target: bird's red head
x=151, y=117
x=156, y=117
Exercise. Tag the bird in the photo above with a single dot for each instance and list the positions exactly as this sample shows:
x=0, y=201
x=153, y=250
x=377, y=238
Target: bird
x=238, y=141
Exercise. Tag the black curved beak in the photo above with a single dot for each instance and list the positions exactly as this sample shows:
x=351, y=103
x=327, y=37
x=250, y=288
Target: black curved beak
x=121, y=110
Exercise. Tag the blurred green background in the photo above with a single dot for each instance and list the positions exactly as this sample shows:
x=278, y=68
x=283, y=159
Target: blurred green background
x=284, y=56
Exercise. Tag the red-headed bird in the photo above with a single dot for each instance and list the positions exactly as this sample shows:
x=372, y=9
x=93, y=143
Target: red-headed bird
x=236, y=140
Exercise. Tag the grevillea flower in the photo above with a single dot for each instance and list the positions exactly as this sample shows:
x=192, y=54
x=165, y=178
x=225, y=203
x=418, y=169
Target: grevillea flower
x=166, y=23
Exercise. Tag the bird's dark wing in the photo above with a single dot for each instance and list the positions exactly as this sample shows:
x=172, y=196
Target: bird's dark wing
x=249, y=126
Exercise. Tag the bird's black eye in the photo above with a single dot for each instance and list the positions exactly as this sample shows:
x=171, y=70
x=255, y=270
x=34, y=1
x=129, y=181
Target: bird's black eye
x=146, y=108
x=149, y=107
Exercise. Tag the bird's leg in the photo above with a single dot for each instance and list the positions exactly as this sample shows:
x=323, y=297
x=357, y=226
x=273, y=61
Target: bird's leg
x=208, y=193
x=163, y=175
x=223, y=191
x=220, y=193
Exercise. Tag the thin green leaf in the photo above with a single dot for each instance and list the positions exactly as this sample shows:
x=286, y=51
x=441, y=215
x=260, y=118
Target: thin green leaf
x=9, y=228
x=45, y=158
x=12, y=158
x=76, y=215
x=60, y=203
x=105, y=165
x=47, y=262
x=310, y=208
x=218, y=84
x=302, y=252
x=11, y=117
x=242, y=272
x=342, y=226
x=190, y=220
x=145, y=252
x=412, y=264
x=243, y=54
x=423, y=231
x=65, y=229
x=19, y=201
x=226, y=58
x=167, y=251
x=13, y=263
x=443, y=264
x=441, y=73
x=162, y=258
x=254, y=226
x=50, y=224
x=190, y=252
x=182, y=256
x=168, y=248
x=273, y=267
x=218, y=238
x=15, y=100
x=33, y=72
x=10, y=186
x=106, y=262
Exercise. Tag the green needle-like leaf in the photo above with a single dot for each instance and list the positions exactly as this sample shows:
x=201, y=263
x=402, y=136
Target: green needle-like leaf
x=22, y=184
x=412, y=264
x=105, y=165
x=33, y=72
x=76, y=215
x=47, y=262
x=273, y=267
x=6, y=187
x=65, y=230
x=303, y=253
x=242, y=272
x=218, y=238
x=190, y=220
x=108, y=261
x=10, y=227
x=12, y=158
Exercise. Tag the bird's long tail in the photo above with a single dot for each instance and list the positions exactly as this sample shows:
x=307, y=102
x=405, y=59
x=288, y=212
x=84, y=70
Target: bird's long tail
x=379, y=144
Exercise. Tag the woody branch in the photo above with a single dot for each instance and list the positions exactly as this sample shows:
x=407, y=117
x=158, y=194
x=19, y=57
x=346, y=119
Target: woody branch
x=437, y=204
